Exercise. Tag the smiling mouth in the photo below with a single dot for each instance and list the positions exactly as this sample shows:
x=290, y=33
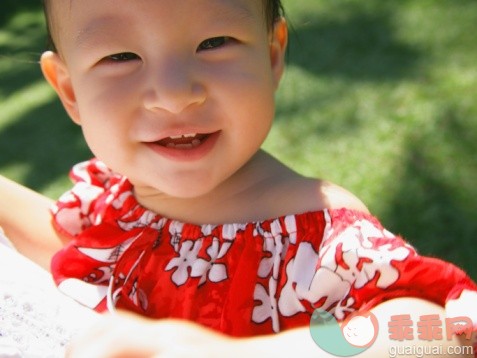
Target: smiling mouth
x=185, y=141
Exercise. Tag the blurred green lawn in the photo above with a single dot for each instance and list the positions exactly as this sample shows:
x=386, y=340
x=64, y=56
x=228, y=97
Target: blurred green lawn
x=379, y=97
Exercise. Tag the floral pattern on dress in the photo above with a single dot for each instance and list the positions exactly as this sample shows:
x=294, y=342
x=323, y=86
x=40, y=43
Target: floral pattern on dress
x=183, y=266
x=210, y=269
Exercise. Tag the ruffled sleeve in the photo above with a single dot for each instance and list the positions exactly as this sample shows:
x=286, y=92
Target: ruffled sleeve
x=371, y=265
x=86, y=215
x=76, y=210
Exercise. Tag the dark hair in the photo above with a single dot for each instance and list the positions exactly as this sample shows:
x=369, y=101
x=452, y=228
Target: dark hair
x=47, y=11
x=273, y=11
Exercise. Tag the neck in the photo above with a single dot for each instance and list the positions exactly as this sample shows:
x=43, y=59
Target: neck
x=238, y=199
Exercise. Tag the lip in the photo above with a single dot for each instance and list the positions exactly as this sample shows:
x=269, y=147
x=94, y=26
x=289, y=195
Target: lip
x=186, y=154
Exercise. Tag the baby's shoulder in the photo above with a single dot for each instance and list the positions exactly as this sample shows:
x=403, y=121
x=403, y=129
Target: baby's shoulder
x=283, y=191
x=337, y=197
x=301, y=194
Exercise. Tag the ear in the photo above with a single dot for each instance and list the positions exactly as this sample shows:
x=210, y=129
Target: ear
x=56, y=73
x=278, y=47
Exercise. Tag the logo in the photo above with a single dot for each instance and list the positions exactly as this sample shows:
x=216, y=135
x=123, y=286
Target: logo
x=357, y=333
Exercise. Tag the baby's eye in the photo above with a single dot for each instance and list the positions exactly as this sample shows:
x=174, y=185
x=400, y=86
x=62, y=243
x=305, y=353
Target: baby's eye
x=213, y=42
x=123, y=57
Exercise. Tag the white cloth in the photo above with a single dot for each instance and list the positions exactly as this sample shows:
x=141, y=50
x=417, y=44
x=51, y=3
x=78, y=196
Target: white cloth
x=36, y=320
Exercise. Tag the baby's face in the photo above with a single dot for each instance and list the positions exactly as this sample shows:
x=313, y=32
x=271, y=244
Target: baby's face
x=175, y=94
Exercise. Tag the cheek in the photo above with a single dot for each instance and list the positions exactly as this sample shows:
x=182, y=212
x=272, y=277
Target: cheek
x=244, y=89
x=248, y=74
x=105, y=112
x=104, y=96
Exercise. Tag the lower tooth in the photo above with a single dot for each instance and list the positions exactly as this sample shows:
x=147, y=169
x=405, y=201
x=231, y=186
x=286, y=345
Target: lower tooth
x=193, y=144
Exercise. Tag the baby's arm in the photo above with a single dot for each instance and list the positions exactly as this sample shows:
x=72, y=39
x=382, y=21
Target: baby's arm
x=128, y=335
x=298, y=342
x=415, y=308
x=26, y=221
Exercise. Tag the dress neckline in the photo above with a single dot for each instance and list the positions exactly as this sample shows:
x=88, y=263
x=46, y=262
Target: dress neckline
x=132, y=205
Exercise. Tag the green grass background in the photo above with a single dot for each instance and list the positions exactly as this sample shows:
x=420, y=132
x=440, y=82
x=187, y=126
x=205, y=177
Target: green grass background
x=379, y=97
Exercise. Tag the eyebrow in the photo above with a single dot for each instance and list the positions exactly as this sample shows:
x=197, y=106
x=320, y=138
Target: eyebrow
x=93, y=28
x=233, y=13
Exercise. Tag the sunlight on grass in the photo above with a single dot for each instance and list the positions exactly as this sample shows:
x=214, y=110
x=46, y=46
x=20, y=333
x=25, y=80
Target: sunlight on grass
x=25, y=101
x=18, y=171
x=21, y=28
x=57, y=187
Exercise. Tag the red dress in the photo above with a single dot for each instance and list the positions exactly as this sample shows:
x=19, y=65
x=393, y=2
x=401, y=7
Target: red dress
x=240, y=279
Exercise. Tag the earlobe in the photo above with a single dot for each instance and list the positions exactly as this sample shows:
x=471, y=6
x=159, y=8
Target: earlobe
x=278, y=48
x=57, y=74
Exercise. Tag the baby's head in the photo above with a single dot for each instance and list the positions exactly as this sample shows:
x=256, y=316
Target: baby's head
x=177, y=95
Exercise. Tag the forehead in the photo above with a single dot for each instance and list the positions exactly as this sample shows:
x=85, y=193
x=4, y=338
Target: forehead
x=74, y=19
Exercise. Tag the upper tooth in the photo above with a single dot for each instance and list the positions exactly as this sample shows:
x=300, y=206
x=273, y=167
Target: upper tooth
x=188, y=135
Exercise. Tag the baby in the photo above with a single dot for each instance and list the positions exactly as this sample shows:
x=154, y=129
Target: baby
x=181, y=217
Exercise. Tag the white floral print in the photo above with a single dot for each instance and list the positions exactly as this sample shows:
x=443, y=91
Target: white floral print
x=184, y=263
x=275, y=245
x=350, y=259
x=268, y=307
x=355, y=244
x=210, y=269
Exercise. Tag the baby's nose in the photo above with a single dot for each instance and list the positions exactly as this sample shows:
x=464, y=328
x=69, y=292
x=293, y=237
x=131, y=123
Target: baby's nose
x=173, y=87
